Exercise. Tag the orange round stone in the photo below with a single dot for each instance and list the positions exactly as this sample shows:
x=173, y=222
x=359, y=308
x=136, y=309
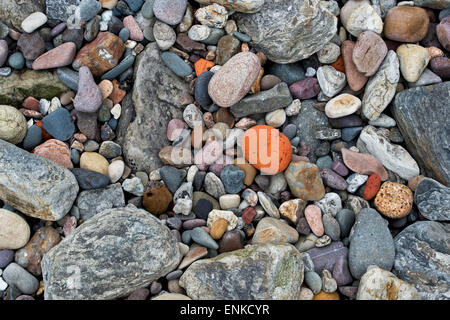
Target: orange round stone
x=267, y=149
x=202, y=65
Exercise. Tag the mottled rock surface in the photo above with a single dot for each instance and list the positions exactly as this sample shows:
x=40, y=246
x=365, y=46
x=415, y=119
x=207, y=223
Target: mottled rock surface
x=433, y=200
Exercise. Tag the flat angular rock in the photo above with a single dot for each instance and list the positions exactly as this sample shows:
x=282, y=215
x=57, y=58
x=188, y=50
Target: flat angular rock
x=110, y=256
x=288, y=30
x=92, y=202
x=326, y=257
x=422, y=255
x=426, y=131
x=34, y=185
x=145, y=115
x=433, y=200
x=61, y=9
x=264, y=271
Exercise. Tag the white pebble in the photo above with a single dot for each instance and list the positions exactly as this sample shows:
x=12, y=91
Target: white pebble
x=294, y=108
x=116, y=111
x=33, y=21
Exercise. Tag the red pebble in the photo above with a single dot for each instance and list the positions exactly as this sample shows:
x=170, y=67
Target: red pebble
x=248, y=214
x=372, y=186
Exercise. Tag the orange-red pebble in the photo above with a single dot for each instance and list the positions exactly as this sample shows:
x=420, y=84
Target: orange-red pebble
x=372, y=186
x=202, y=65
x=339, y=64
x=267, y=149
x=45, y=134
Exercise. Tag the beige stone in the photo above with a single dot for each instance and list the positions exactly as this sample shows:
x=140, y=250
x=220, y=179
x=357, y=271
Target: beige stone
x=95, y=162
x=14, y=230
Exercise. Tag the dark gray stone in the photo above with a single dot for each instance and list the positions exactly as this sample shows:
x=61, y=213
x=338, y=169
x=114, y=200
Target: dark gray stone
x=171, y=177
x=264, y=271
x=371, y=243
x=345, y=218
x=88, y=179
x=426, y=131
x=326, y=257
x=61, y=9
x=422, y=258
x=264, y=101
x=17, y=276
x=110, y=256
x=289, y=73
x=92, y=202
x=201, y=89
x=288, y=30
x=433, y=200
x=143, y=123
x=59, y=124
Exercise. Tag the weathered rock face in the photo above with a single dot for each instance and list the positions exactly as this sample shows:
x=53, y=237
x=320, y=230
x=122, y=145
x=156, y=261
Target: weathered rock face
x=248, y=6
x=426, y=131
x=433, y=200
x=13, y=12
x=423, y=258
x=143, y=124
x=110, y=256
x=379, y=284
x=264, y=271
x=288, y=30
x=38, y=84
x=34, y=185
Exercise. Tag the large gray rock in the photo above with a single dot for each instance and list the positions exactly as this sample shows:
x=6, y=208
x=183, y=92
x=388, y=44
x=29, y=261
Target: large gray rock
x=91, y=202
x=264, y=271
x=61, y=9
x=110, y=256
x=308, y=121
x=423, y=117
x=423, y=258
x=288, y=30
x=156, y=92
x=13, y=12
x=433, y=200
x=434, y=4
x=264, y=101
x=35, y=185
x=371, y=243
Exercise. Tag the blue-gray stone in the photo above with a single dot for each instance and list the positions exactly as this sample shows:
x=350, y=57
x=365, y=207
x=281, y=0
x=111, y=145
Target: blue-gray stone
x=135, y=5
x=6, y=257
x=75, y=156
x=121, y=67
x=289, y=73
x=88, y=179
x=124, y=34
x=68, y=77
x=171, y=177
x=444, y=13
x=203, y=238
x=59, y=124
x=186, y=236
x=176, y=64
x=89, y=9
x=331, y=227
x=214, y=36
x=290, y=131
x=313, y=281
x=371, y=243
x=147, y=9
x=33, y=137
x=113, y=123
x=346, y=219
x=104, y=114
x=123, y=8
x=4, y=30
x=295, y=141
x=127, y=74
x=92, y=29
x=201, y=89
x=242, y=36
x=16, y=61
x=232, y=178
x=324, y=162
x=348, y=134
x=5, y=71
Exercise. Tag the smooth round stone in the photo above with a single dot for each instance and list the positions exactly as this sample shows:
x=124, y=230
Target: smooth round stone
x=346, y=219
x=289, y=73
x=202, y=237
x=413, y=61
x=147, y=9
x=313, y=281
x=75, y=156
x=332, y=179
x=13, y=125
x=211, y=152
x=214, y=186
x=60, y=56
x=95, y=162
x=227, y=47
x=269, y=81
x=443, y=33
x=406, y=24
x=369, y=52
x=324, y=162
x=290, y=131
x=339, y=168
x=14, y=230
x=20, y=278
x=33, y=137
x=16, y=61
x=201, y=89
x=164, y=35
x=329, y=53
x=341, y=273
x=441, y=66
x=156, y=197
x=169, y=11
x=88, y=179
x=229, y=201
x=6, y=257
x=233, y=81
x=348, y=134
x=3, y=52
x=193, y=223
x=276, y=118
x=59, y=124
x=33, y=21
x=343, y=105
x=124, y=34
x=103, y=113
x=89, y=96
x=199, y=32
x=231, y=241
x=176, y=64
x=394, y=200
x=305, y=89
x=202, y=208
x=313, y=215
x=232, y=178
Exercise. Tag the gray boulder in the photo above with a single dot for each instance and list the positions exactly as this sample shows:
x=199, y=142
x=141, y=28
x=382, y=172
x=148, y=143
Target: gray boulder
x=154, y=102
x=110, y=256
x=423, y=258
x=426, y=130
x=371, y=243
x=91, y=202
x=288, y=30
x=35, y=185
x=433, y=200
x=263, y=271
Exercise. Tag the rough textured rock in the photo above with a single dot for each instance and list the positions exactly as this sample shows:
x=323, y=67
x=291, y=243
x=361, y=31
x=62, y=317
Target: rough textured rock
x=13, y=125
x=433, y=200
x=34, y=185
x=61, y=9
x=248, y=6
x=288, y=30
x=426, y=134
x=13, y=12
x=264, y=271
x=144, y=119
x=379, y=284
x=92, y=202
x=38, y=84
x=110, y=256
x=422, y=258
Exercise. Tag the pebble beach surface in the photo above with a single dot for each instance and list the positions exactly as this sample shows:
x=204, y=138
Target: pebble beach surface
x=214, y=149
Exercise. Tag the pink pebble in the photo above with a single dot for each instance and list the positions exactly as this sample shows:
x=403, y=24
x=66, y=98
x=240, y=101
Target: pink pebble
x=135, y=32
x=175, y=128
x=313, y=215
